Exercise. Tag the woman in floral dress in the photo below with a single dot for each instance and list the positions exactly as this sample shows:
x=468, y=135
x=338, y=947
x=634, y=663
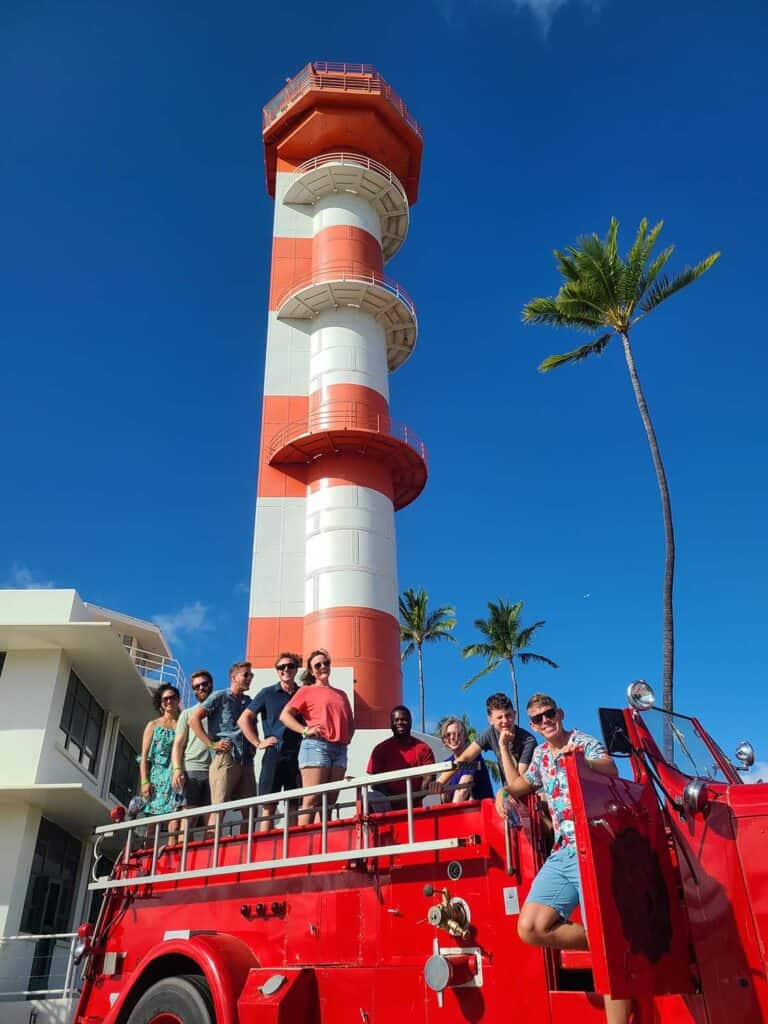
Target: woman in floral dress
x=156, y=747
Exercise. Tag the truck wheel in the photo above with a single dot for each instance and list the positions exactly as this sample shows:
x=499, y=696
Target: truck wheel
x=182, y=1000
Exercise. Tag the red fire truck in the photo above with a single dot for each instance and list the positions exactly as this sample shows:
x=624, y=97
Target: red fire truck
x=361, y=917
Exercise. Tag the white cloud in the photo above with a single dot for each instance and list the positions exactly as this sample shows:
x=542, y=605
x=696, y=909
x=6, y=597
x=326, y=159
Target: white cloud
x=758, y=772
x=192, y=618
x=543, y=11
x=22, y=578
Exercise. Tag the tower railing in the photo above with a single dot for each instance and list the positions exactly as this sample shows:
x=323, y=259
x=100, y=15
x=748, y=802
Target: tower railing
x=337, y=77
x=340, y=273
x=147, y=859
x=346, y=416
x=357, y=160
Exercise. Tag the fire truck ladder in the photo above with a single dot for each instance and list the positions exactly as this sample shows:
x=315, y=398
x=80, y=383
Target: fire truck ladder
x=143, y=837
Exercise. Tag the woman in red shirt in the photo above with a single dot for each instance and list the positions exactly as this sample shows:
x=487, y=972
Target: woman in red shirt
x=326, y=729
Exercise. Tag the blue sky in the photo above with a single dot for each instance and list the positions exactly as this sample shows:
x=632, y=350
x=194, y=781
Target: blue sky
x=136, y=235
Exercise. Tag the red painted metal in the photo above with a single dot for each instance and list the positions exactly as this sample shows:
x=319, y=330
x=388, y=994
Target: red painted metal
x=676, y=906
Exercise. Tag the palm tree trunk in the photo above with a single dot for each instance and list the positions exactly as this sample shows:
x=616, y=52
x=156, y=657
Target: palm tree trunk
x=421, y=685
x=515, y=698
x=668, y=626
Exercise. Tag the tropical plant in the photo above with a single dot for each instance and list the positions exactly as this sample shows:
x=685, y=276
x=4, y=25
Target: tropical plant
x=419, y=626
x=606, y=294
x=505, y=640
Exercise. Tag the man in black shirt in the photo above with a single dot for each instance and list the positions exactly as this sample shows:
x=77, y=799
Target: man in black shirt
x=501, y=718
x=280, y=764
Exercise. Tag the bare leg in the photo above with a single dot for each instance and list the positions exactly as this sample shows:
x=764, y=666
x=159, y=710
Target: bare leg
x=540, y=925
x=268, y=812
x=617, y=1011
x=336, y=775
x=311, y=777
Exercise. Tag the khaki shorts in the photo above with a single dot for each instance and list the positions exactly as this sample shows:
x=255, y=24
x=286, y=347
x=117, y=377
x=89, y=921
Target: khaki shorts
x=229, y=779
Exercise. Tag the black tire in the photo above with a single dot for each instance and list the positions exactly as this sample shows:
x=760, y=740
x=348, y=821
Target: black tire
x=182, y=1000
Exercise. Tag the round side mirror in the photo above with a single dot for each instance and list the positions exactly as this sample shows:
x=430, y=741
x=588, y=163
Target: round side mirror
x=640, y=695
x=745, y=755
x=696, y=795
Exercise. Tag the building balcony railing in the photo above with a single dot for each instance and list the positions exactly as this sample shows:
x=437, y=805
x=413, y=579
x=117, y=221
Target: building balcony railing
x=38, y=967
x=347, y=416
x=337, y=77
x=353, y=428
x=341, y=274
x=357, y=160
x=160, y=671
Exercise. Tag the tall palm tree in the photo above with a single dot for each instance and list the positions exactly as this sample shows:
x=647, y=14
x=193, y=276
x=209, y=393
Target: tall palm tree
x=505, y=640
x=419, y=626
x=605, y=292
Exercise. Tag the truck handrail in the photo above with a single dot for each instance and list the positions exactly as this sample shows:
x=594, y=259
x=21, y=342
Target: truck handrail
x=251, y=805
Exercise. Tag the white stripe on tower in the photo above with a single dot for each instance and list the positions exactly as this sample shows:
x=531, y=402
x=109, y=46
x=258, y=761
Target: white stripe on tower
x=276, y=609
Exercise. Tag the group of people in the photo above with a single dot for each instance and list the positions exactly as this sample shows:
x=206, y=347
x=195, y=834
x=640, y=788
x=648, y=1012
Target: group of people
x=205, y=755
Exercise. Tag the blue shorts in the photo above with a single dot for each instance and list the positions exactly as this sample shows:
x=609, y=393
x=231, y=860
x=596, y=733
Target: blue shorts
x=558, y=883
x=317, y=753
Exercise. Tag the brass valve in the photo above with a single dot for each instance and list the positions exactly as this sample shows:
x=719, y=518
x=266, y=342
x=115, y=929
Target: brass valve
x=450, y=914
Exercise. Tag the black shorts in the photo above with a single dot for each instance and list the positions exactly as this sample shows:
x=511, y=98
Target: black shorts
x=197, y=791
x=278, y=771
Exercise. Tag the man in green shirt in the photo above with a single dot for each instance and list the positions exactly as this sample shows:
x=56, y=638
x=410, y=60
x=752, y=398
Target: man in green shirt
x=191, y=757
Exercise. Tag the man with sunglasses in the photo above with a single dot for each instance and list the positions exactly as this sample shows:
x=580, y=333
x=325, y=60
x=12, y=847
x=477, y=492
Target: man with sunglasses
x=556, y=889
x=191, y=757
x=280, y=761
x=231, y=773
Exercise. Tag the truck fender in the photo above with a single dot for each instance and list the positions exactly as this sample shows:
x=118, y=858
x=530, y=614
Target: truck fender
x=223, y=960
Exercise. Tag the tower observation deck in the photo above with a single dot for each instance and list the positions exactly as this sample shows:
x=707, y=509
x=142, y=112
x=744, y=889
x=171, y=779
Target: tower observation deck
x=342, y=156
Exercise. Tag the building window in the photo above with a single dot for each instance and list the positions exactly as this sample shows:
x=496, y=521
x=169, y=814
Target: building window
x=125, y=771
x=50, y=892
x=82, y=723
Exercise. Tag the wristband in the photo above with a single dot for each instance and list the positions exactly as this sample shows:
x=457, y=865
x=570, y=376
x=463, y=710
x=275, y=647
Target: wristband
x=211, y=746
x=146, y=782
x=178, y=768
x=305, y=732
x=504, y=793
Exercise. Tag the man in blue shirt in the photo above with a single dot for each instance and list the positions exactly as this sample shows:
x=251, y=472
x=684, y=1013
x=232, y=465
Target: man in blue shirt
x=280, y=762
x=231, y=773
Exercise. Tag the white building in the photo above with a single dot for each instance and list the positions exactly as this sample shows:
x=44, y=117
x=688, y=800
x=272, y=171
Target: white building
x=75, y=686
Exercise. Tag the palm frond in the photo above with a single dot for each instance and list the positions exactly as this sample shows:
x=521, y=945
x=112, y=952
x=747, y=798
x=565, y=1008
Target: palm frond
x=408, y=650
x=665, y=287
x=593, y=348
x=545, y=311
x=524, y=636
x=483, y=672
x=526, y=656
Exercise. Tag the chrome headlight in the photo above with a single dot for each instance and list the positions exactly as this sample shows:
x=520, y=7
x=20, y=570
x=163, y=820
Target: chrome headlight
x=640, y=695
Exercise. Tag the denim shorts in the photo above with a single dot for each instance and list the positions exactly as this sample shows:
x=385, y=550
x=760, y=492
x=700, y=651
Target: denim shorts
x=558, y=883
x=317, y=753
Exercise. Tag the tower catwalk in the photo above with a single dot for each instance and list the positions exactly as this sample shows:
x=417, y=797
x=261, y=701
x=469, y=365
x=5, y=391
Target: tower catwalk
x=342, y=160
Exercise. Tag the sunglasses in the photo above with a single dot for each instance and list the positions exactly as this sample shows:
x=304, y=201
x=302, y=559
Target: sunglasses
x=167, y=700
x=287, y=666
x=550, y=713
x=202, y=686
x=321, y=664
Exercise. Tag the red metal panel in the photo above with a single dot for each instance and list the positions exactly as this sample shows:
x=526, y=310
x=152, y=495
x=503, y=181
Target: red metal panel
x=638, y=932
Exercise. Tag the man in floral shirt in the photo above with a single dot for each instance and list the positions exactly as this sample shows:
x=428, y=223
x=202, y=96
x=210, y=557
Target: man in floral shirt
x=556, y=890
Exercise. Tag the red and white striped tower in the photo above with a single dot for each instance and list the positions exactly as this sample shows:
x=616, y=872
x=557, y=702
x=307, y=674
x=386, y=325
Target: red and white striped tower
x=342, y=159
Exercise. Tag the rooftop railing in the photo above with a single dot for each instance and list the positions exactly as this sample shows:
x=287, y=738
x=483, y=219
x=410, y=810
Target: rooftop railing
x=338, y=77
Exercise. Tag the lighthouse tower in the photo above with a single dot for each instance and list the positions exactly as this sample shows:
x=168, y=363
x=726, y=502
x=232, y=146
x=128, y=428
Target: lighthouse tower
x=342, y=161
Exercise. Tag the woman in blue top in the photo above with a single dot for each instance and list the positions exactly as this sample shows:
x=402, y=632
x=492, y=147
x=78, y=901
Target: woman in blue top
x=470, y=782
x=156, y=748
